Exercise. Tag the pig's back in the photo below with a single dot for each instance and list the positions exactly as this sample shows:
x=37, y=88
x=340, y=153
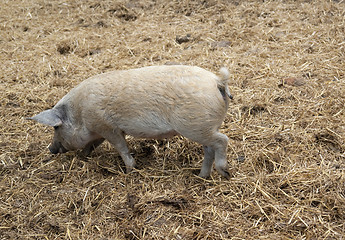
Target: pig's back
x=161, y=99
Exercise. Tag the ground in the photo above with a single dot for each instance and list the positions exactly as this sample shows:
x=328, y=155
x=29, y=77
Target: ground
x=286, y=123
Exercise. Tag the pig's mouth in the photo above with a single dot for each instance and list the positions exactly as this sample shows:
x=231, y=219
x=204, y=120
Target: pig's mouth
x=57, y=148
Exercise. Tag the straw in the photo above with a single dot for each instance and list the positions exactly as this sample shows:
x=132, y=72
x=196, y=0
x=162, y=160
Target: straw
x=286, y=124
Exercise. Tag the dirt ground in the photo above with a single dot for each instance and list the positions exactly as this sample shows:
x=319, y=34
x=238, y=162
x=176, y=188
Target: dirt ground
x=286, y=124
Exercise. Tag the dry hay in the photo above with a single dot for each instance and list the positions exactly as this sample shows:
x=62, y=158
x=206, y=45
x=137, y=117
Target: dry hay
x=286, y=123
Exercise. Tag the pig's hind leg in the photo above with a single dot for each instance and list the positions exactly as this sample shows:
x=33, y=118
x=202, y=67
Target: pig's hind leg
x=214, y=152
x=207, y=162
x=220, y=144
x=117, y=139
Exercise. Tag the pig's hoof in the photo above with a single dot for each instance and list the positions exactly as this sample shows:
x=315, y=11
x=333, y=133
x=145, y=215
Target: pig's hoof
x=204, y=175
x=130, y=169
x=224, y=172
x=84, y=153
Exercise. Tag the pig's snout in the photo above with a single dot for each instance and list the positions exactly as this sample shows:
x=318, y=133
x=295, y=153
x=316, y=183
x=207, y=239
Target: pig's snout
x=57, y=148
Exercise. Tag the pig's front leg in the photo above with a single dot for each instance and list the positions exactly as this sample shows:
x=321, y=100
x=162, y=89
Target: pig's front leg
x=117, y=139
x=91, y=146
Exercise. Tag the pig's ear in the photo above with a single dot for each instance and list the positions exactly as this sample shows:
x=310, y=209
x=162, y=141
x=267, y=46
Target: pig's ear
x=48, y=117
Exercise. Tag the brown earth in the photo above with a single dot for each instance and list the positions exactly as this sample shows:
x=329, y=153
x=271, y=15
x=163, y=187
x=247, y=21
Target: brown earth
x=286, y=123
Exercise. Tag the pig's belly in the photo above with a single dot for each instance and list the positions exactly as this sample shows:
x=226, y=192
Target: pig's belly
x=149, y=125
x=152, y=134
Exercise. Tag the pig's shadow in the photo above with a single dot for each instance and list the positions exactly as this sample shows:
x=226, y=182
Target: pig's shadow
x=108, y=159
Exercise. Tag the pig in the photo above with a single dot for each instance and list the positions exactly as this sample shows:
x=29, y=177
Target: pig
x=154, y=102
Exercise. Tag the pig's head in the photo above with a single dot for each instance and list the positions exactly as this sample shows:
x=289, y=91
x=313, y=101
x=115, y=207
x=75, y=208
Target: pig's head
x=65, y=136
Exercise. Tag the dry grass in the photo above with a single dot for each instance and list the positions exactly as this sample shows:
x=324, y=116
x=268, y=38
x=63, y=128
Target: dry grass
x=286, y=123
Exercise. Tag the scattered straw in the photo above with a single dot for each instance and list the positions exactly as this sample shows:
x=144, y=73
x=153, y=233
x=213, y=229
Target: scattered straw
x=286, y=123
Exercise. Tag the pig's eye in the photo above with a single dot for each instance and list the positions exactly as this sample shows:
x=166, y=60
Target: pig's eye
x=56, y=127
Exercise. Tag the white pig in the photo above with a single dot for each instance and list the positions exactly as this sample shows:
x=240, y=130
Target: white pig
x=151, y=102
